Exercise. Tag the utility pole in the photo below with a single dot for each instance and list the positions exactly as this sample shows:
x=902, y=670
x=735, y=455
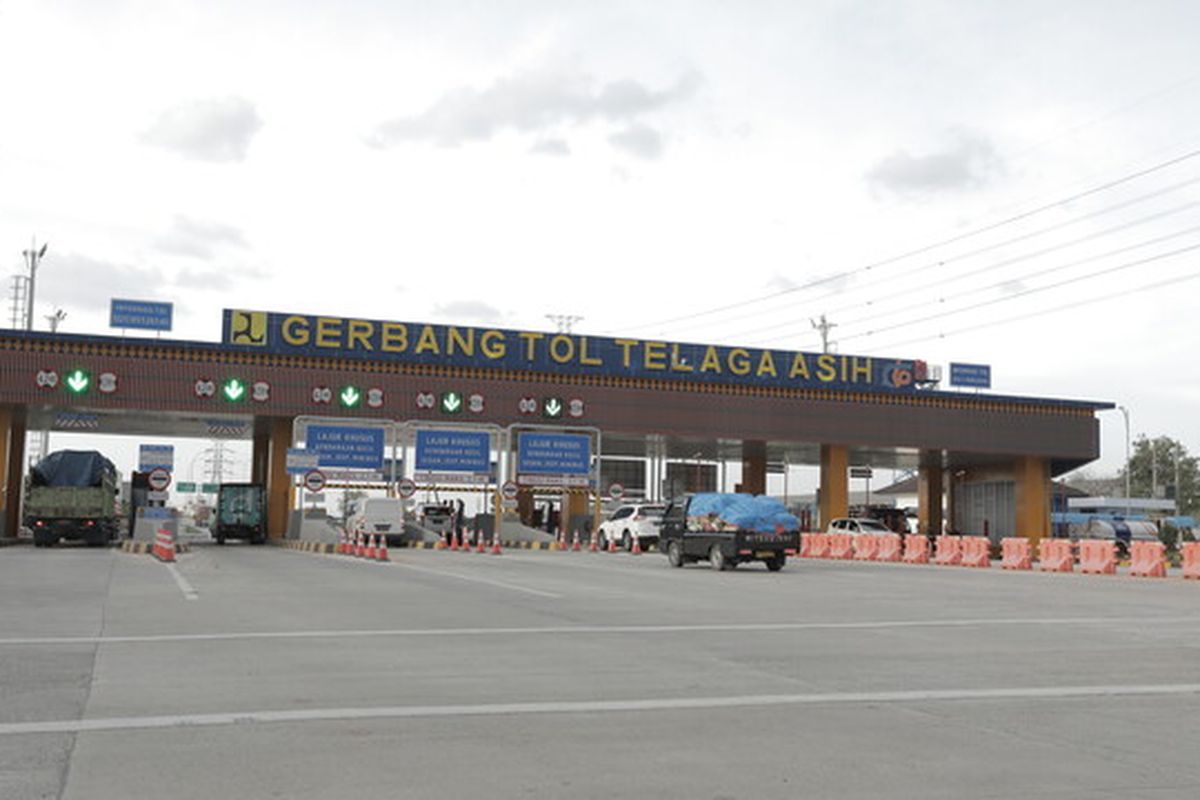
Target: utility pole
x=824, y=326
x=564, y=322
x=16, y=301
x=44, y=444
x=33, y=257
x=1128, y=464
x=1153, y=470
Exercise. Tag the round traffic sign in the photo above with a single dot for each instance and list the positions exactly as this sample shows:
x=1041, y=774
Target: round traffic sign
x=509, y=490
x=616, y=491
x=314, y=480
x=158, y=479
x=406, y=488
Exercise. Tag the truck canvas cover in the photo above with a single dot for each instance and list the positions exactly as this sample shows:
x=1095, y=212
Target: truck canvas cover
x=73, y=468
x=714, y=511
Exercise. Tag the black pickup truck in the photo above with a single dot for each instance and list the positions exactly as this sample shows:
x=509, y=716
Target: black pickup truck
x=687, y=538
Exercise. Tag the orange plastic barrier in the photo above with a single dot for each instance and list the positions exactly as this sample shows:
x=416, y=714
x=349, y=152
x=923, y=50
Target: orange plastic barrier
x=1015, y=553
x=841, y=545
x=976, y=551
x=890, y=547
x=1191, y=560
x=820, y=545
x=164, y=545
x=916, y=549
x=1147, y=559
x=949, y=551
x=866, y=545
x=812, y=545
x=1098, y=556
x=1055, y=555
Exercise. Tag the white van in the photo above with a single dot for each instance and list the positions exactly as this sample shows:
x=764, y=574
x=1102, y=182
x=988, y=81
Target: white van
x=380, y=515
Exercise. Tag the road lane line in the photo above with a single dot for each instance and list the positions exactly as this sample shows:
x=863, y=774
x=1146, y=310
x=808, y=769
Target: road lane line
x=593, y=707
x=474, y=579
x=590, y=630
x=184, y=586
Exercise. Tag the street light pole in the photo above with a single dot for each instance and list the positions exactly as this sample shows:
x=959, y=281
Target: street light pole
x=33, y=256
x=1128, y=465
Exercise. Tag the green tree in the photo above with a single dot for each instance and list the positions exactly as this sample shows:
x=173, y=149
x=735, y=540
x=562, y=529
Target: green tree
x=1164, y=463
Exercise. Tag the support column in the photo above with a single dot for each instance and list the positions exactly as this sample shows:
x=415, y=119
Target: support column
x=280, y=493
x=1032, y=476
x=952, y=482
x=835, y=483
x=573, y=503
x=754, y=468
x=929, y=500
x=260, y=455
x=525, y=507
x=12, y=454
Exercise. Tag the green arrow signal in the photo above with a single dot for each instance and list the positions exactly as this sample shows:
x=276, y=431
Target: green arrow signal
x=452, y=402
x=350, y=396
x=234, y=390
x=553, y=407
x=78, y=382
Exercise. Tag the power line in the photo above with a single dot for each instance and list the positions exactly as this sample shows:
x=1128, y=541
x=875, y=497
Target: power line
x=928, y=248
x=988, y=268
x=1035, y=290
x=1043, y=312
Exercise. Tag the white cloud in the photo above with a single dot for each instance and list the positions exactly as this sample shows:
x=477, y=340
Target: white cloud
x=199, y=238
x=213, y=129
x=641, y=141
x=968, y=162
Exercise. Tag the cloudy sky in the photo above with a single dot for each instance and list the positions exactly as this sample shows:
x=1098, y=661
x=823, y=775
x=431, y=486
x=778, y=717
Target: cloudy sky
x=1012, y=183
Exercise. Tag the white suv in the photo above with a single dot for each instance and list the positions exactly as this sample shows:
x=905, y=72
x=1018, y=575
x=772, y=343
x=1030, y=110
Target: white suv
x=856, y=525
x=643, y=519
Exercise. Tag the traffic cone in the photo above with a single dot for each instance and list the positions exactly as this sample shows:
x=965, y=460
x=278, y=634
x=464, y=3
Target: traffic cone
x=359, y=549
x=496, y=543
x=592, y=544
x=371, y=547
x=453, y=542
x=382, y=553
x=612, y=545
x=637, y=545
x=342, y=542
x=575, y=545
x=479, y=548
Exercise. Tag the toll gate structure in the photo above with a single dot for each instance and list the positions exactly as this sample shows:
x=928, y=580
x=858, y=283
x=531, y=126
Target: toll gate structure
x=647, y=396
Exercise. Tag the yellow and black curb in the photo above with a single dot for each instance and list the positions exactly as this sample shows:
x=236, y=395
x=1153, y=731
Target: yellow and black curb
x=145, y=548
x=306, y=547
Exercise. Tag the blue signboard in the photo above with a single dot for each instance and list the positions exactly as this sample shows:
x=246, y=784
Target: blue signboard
x=554, y=453
x=156, y=456
x=453, y=451
x=346, y=447
x=562, y=353
x=143, y=314
x=978, y=376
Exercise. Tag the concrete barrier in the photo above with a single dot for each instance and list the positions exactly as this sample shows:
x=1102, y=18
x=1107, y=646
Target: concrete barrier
x=1015, y=553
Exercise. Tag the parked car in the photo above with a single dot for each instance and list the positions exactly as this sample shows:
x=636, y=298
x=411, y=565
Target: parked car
x=642, y=519
x=856, y=525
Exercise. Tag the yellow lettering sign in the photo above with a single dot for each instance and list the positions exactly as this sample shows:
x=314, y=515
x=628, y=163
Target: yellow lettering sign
x=295, y=331
x=329, y=332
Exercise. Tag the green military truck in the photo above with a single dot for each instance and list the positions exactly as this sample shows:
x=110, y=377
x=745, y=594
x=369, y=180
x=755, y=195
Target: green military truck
x=72, y=494
x=241, y=513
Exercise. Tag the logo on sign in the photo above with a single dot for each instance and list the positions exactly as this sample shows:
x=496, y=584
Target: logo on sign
x=261, y=392
x=575, y=407
x=205, y=388
x=528, y=405
x=322, y=394
x=47, y=379
x=475, y=403
x=425, y=400
x=374, y=397
x=248, y=327
x=107, y=382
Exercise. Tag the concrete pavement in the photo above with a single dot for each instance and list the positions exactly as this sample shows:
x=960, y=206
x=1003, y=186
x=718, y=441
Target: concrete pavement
x=587, y=675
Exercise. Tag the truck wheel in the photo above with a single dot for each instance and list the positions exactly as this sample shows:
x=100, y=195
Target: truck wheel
x=775, y=563
x=717, y=558
x=674, y=554
x=220, y=538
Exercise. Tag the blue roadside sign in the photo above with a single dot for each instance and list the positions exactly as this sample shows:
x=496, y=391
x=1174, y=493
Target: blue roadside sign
x=346, y=447
x=156, y=456
x=145, y=315
x=978, y=376
x=554, y=453
x=453, y=451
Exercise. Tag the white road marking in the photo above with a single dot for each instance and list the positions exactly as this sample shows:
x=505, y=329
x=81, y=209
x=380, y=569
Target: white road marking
x=474, y=579
x=182, y=582
x=591, y=707
x=590, y=630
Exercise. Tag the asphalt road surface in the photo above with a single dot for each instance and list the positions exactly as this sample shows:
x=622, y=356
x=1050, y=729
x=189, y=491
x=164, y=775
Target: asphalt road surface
x=249, y=672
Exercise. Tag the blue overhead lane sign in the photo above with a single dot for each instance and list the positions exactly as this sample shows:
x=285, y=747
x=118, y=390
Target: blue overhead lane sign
x=453, y=451
x=554, y=453
x=346, y=447
x=141, y=314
